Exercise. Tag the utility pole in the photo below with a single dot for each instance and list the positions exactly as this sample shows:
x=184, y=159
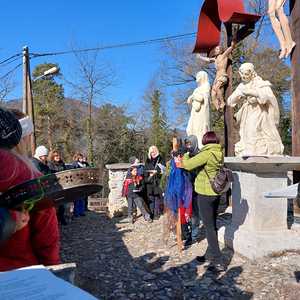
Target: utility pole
x=28, y=107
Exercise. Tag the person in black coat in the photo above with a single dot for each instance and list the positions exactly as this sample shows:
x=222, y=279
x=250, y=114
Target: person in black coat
x=56, y=164
x=40, y=160
x=154, y=168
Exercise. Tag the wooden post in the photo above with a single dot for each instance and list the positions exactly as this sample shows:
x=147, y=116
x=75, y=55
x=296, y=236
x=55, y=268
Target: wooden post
x=28, y=107
x=178, y=223
x=228, y=111
x=295, y=61
x=25, y=61
x=178, y=232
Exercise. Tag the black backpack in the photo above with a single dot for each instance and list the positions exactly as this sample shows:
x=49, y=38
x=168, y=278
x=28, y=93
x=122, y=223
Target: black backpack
x=221, y=182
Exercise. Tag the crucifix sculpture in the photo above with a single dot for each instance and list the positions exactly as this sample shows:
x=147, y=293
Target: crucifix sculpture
x=213, y=14
x=280, y=24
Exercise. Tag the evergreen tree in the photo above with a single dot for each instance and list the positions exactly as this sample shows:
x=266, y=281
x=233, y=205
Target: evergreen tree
x=48, y=98
x=159, y=134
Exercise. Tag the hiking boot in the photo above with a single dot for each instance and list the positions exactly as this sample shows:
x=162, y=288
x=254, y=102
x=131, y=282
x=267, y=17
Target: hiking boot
x=201, y=259
x=188, y=242
x=216, y=268
x=148, y=219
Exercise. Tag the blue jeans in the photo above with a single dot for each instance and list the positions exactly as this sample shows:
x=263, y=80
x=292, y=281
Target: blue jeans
x=196, y=217
x=79, y=207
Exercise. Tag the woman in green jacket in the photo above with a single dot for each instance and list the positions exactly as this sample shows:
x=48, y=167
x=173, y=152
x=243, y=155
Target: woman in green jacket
x=208, y=160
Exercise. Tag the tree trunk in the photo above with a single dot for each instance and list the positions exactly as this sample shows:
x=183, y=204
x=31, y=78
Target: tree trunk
x=89, y=132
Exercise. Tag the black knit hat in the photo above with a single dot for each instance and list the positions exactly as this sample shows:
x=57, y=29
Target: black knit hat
x=10, y=129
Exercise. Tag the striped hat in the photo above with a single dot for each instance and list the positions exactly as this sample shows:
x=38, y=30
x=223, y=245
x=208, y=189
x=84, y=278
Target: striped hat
x=10, y=129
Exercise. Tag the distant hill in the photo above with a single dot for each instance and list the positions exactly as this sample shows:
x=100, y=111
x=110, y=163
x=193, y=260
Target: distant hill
x=69, y=105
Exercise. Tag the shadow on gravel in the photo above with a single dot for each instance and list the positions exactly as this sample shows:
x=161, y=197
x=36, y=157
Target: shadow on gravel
x=106, y=269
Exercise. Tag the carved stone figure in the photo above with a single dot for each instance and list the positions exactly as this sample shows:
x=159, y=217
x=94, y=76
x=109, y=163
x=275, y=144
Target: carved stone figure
x=280, y=24
x=199, y=121
x=258, y=116
x=220, y=57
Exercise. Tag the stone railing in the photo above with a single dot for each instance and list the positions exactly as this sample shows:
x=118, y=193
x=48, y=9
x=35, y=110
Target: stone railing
x=117, y=205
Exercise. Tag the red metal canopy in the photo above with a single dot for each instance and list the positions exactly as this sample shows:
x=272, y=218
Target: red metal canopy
x=213, y=14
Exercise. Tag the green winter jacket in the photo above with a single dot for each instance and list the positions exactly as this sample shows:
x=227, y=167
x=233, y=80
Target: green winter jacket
x=211, y=162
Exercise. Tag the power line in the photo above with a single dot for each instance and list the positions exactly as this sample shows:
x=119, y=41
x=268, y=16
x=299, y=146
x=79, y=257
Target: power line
x=12, y=70
x=9, y=62
x=132, y=44
x=139, y=43
x=16, y=56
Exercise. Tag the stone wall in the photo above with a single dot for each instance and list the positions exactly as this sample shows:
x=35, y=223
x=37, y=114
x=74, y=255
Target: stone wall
x=117, y=205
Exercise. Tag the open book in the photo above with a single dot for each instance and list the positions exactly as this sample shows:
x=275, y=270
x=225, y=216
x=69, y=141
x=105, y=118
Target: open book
x=37, y=283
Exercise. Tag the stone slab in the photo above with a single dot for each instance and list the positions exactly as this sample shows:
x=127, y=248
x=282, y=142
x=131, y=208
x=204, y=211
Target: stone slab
x=253, y=244
x=118, y=166
x=261, y=164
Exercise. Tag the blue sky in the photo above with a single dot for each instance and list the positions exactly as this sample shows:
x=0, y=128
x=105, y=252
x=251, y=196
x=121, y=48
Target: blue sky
x=53, y=25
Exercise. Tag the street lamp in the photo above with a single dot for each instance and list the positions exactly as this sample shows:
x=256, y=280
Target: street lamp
x=28, y=108
x=51, y=71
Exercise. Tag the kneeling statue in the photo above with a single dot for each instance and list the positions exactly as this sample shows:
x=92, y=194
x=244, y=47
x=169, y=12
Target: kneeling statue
x=258, y=116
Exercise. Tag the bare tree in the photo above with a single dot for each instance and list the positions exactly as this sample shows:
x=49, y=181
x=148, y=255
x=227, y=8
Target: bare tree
x=93, y=78
x=7, y=85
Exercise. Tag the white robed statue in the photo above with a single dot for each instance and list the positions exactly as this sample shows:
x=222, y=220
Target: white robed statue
x=258, y=116
x=199, y=122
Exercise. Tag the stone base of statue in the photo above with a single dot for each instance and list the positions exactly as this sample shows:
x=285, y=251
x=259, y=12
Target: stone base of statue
x=259, y=225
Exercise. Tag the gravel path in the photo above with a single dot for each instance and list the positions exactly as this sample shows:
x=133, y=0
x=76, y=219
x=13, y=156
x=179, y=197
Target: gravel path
x=123, y=261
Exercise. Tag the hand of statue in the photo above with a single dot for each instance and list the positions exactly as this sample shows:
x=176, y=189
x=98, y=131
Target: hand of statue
x=250, y=93
x=252, y=100
x=189, y=100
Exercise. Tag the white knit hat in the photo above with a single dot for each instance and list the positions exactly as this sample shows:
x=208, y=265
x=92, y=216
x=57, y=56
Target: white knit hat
x=40, y=151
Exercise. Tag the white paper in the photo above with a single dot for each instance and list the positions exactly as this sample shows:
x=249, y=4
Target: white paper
x=37, y=283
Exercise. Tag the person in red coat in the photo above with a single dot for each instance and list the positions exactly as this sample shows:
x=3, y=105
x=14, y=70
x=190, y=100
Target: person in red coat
x=35, y=239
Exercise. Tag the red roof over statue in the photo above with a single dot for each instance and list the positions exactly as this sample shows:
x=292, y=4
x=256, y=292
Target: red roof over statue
x=213, y=14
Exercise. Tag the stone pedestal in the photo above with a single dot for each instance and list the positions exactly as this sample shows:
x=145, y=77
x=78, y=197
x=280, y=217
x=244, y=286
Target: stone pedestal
x=259, y=224
x=117, y=205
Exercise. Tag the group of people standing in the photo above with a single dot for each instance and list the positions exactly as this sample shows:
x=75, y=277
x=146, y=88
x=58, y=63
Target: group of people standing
x=51, y=162
x=187, y=192
x=29, y=237
x=142, y=187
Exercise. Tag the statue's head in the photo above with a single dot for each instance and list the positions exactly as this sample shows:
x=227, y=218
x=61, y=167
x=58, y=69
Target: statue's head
x=247, y=72
x=216, y=51
x=201, y=77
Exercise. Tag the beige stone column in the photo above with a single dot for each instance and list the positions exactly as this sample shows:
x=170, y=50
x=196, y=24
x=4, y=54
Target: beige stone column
x=259, y=225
